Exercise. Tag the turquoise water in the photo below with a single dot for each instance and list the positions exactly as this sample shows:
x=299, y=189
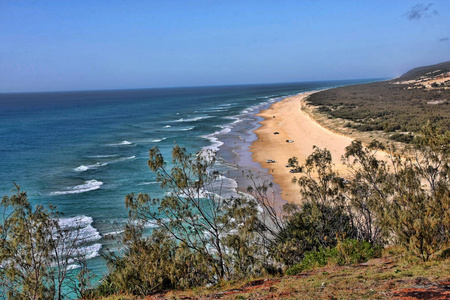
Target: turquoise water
x=84, y=151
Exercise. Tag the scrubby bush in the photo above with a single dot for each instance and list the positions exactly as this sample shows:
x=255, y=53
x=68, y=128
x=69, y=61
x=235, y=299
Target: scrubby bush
x=352, y=251
x=310, y=230
x=157, y=262
x=346, y=252
x=407, y=197
x=384, y=106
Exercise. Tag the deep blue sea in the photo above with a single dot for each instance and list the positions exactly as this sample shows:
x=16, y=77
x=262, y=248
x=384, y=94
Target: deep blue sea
x=85, y=151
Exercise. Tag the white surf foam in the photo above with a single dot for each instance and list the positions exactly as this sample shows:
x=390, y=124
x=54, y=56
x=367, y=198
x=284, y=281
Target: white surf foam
x=158, y=140
x=180, y=129
x=192, y=119
x=149, y=182
x=151, y=140
x=80, y=228
x=88, y=252
x=87, y=186
x=83, y=168
x=187, y=128
x=123, y=143
x=78, y=238
x=213, y=109
x=213, y=138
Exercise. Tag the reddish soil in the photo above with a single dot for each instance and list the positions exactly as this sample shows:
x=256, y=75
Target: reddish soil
x=425, y=290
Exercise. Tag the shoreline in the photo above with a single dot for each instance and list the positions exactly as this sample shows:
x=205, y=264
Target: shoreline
x=288, y=119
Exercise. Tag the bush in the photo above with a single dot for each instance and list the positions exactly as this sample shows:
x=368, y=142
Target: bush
x=347, y=252
x=36, y=252
x=351, y=251
x=153, y=263
x=404, y=138
x=308, y=230
x=407, y=198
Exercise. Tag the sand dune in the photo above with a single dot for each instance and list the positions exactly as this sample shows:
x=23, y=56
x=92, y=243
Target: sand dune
x=286, y=118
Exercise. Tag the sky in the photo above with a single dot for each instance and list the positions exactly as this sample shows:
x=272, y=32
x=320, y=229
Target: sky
x=66, y=45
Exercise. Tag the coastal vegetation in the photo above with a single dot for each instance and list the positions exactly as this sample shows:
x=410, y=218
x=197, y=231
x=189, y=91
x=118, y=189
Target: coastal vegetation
x=397, y=108
x=37, y=253
x=204, y=239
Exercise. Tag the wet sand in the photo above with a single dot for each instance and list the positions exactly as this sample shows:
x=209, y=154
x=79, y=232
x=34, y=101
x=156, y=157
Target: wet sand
x=287, y=118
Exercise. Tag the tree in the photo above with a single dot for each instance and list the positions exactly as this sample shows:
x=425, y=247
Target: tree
x=322, y=218
x=35, y=252
x=320, y=187
x=366, y=191
x=215, y=232
x=407, y=198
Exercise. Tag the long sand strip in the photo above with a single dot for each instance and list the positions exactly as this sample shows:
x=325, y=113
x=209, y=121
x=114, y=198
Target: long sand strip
x=287, y=118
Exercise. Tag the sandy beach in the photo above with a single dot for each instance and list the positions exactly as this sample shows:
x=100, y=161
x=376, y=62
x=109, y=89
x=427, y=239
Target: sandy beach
x=287, y=118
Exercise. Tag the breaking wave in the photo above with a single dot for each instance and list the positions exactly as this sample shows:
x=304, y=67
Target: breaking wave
x=123, y=143
x=87, y=186
x=83, y=168
x=192, y=119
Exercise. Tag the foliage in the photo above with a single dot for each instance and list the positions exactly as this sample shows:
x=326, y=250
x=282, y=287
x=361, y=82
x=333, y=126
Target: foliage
x=346, y=252
x=352, y=251
x=364, y=190
x=153, y=263
x=203, y=238
x=309, y=230
x=322, y=217
x=35, y=252
x=405, y=199
x=387, y=107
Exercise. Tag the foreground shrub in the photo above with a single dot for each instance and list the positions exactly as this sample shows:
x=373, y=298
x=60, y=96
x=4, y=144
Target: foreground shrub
x=153, y=263
x=311, y=229
x=351, y=251
x=323, y=216
x=347, y=252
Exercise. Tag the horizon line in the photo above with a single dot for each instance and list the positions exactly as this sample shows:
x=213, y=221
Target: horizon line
x=190, y=86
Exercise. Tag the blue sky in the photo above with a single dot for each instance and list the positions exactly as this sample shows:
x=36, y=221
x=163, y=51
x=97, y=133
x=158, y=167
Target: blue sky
x=118, y=44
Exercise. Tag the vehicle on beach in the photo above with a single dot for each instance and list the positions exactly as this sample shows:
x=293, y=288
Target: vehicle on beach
x=270, y=161
x=289, y=141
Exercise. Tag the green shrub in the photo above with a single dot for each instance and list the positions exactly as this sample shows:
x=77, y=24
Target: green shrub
x=313, y=260
x=310, y=230
x=351, y=251
x=348, y=251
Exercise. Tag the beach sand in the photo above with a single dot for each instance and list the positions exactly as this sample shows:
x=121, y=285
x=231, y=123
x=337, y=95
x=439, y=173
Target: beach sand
x=287, y=118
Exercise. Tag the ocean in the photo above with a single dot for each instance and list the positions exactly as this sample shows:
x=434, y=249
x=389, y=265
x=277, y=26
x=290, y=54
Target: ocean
x=85, y=151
